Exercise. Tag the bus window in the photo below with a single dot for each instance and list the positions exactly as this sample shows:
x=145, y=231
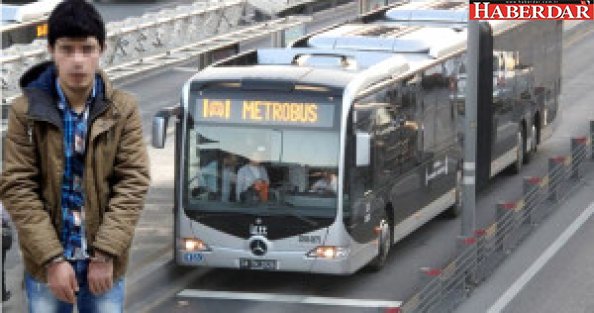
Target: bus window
x=358, y=179
x=412, y=131
x=243, y=166
x=440, y=129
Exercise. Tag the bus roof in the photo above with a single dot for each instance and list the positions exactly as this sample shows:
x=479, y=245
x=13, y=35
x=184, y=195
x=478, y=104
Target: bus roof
x=421, y=33
x=274, y=73
x=383, y=44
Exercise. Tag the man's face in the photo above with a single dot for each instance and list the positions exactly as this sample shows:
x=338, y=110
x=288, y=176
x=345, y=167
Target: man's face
x=77, y=60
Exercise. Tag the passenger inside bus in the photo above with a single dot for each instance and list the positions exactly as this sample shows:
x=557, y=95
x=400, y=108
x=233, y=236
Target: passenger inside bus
x=298, y=179
x=204, y=182
x=207, y=178
x=229, y=178
x=252, y=179
x=327, y=183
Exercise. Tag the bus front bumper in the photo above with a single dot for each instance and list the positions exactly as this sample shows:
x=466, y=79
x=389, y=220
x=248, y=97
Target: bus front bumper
x=284, y=261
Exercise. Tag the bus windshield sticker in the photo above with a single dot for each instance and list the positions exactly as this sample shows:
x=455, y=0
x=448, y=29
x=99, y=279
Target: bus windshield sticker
x=309, y=114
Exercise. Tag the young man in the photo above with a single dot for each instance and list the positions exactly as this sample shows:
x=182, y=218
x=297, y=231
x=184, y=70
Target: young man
x=75, y=171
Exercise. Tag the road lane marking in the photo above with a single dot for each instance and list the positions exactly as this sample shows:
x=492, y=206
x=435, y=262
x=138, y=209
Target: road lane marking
x=186, y=69
x=295, y=299
x=542, y=260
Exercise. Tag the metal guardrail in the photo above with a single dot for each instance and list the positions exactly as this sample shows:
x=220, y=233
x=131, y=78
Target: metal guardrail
x=443, y=289
x=274, y=28
x=284, y=7
x=134, y=49
x=278, y=30
x=162, y=38
x=273, y=7
x=136, y=38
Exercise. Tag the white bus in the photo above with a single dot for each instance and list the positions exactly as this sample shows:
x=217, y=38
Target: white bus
x=317, y=158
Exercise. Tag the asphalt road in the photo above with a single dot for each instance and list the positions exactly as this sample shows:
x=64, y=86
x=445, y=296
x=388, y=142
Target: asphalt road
x=566, y=282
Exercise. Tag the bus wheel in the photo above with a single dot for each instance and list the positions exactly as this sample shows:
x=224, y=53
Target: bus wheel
x=455, y=210
x=385, y=242
x=531, y=144
x=517, y=165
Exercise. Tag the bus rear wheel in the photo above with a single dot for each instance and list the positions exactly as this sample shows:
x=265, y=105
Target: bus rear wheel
x=384, y=244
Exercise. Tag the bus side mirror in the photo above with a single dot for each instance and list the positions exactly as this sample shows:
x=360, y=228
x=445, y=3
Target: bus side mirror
x=363, y=149
x=160, y=122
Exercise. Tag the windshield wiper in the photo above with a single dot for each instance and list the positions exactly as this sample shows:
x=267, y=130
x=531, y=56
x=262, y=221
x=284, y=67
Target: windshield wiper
x=213, y=214
x=287, y=203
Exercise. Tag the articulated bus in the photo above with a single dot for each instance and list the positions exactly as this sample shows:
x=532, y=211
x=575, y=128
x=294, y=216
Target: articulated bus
x=318, y=157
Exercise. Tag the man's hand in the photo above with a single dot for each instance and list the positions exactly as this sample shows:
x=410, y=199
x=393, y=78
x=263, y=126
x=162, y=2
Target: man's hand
x=100, y=275
x=62, y=281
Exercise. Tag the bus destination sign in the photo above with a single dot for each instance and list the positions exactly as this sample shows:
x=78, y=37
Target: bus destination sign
x=265, y=112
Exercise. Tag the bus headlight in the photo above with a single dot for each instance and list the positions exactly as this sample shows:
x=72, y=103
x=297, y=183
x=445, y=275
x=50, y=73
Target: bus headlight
x=195, y=244
x=328, y=252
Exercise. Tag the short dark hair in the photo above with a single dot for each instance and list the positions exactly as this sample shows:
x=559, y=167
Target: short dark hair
x=75, y=19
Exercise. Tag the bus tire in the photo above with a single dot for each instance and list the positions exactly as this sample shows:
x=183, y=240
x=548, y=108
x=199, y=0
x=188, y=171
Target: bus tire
x=516, y=167
x=456, y=209
x=384, y=245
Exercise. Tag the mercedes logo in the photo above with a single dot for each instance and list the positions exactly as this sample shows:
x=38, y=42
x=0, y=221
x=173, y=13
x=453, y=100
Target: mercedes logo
x=258, y=247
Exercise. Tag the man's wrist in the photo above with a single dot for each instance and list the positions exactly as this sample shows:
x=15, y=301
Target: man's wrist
x=55, y=260
x=101, y=257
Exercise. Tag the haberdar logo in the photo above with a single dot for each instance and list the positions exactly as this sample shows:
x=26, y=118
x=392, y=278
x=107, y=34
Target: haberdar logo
x=532, y=10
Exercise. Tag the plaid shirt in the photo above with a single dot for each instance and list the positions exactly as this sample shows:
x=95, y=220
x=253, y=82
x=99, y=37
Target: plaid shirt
x=72, y=234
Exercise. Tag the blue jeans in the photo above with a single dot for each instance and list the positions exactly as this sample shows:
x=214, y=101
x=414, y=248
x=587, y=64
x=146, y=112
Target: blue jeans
x=42, y=300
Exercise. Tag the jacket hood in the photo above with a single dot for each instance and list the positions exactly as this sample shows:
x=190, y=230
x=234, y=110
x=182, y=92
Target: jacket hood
x=38, y=85
x=42, y=77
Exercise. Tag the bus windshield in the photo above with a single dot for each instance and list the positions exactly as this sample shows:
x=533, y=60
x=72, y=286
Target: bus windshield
x=264, y=170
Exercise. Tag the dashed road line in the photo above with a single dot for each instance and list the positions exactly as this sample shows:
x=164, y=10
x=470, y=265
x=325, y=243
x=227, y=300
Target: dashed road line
x=285, y=298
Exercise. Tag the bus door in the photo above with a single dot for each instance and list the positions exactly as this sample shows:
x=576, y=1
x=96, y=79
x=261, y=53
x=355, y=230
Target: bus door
x=401, y=148
x=361, y=196
x=409, y=189
x=504, y=103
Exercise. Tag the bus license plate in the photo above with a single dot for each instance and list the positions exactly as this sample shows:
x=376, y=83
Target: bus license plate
x=251, y=264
